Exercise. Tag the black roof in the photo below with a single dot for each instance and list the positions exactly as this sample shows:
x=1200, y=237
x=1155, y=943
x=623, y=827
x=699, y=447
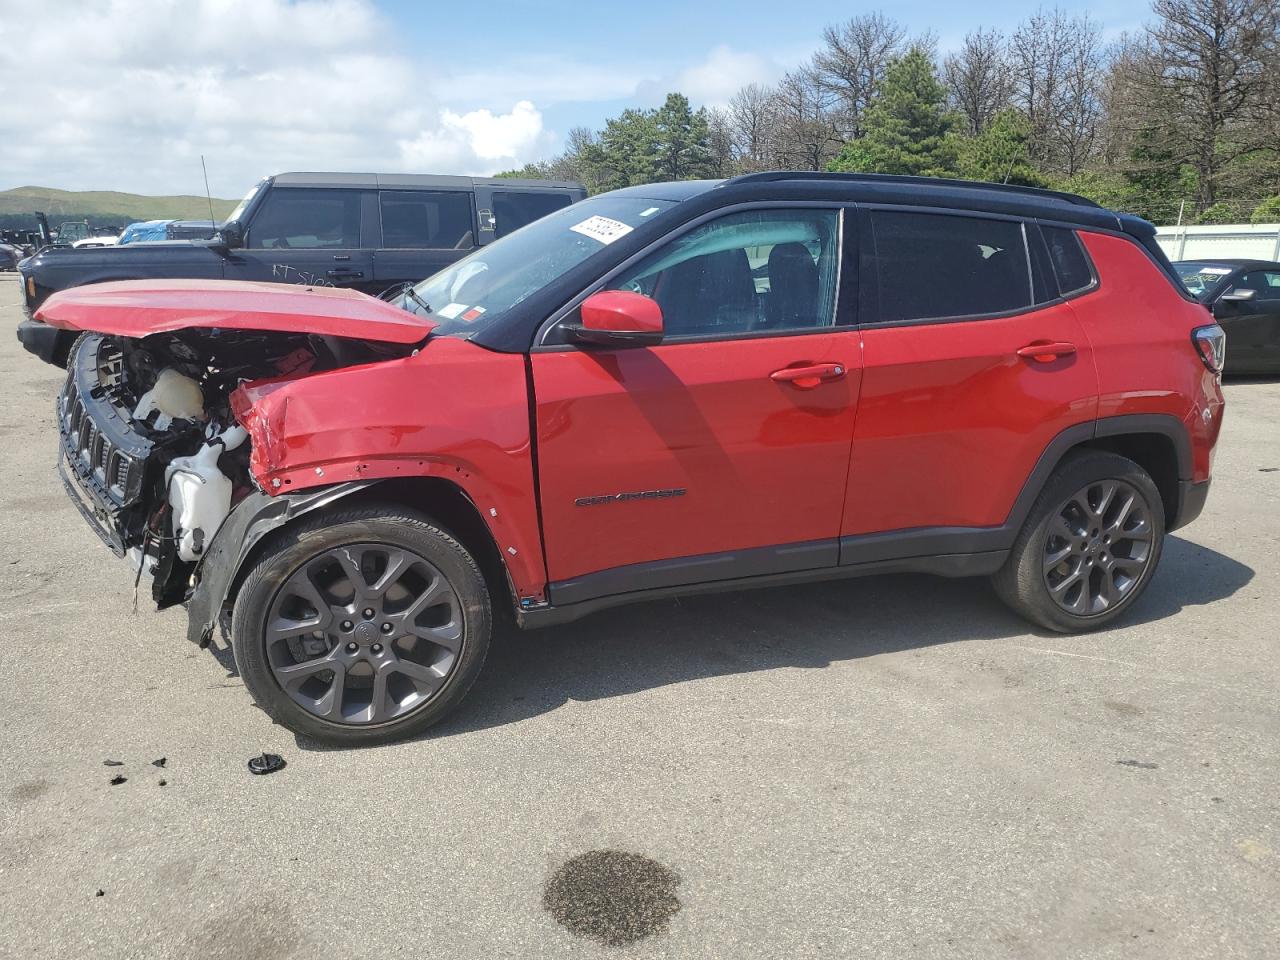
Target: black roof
x=417, y=181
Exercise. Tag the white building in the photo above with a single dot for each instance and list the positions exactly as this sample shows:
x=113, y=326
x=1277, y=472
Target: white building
x=1246, y=241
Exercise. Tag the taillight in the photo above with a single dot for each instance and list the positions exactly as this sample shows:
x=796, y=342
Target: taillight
x=1211, y=344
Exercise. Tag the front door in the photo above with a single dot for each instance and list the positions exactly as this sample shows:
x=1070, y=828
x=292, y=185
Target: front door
x=314, y=236
x=1252, y=326
x=721, y=452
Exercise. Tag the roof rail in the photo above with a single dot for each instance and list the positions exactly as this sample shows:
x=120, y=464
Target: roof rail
x=888, y=178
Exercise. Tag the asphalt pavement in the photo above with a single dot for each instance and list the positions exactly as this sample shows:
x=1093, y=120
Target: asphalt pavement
x=886, y=768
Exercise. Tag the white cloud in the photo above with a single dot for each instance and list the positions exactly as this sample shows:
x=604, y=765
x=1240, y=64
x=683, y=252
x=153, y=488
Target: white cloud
x=128, y=94
x=724, y=71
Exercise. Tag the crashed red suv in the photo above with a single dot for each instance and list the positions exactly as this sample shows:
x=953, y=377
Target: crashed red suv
x=668, y=388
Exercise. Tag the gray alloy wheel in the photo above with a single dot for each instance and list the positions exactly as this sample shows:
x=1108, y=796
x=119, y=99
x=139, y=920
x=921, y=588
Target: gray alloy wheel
x=1089, y=546
x=1097, y=547
x=365, y=633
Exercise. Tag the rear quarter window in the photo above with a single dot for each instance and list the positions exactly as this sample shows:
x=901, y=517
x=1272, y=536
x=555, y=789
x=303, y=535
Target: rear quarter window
x=1070, y=263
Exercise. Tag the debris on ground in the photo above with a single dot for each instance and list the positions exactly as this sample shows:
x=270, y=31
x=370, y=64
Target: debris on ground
x=100, y=893
x=612, y=897
x=113, y=763
x=163, y=782
x=159, y=763
x=266, y=763
x=118, y=779
x=1138, y=763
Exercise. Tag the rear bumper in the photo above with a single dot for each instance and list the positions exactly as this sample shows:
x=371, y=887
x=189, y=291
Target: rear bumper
x=1191, y=498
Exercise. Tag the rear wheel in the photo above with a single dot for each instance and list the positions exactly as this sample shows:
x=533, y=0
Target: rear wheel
x=361, y=627
x=1089, y=547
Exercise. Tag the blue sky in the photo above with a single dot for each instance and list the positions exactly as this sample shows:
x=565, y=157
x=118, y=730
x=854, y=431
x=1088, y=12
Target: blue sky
x=675, y=35
x=265, y=86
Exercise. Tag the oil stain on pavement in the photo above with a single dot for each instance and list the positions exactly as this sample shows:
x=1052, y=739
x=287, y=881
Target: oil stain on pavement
x=612, y=897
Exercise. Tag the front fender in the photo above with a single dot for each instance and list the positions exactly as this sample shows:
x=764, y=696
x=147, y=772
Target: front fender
x=453, y=411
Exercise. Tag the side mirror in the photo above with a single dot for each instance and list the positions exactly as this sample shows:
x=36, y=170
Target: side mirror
x=619, y=318
x=231, y=236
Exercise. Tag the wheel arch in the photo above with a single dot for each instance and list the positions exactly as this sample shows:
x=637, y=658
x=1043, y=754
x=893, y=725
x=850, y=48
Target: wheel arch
x=1159, y=443
x=254, y=524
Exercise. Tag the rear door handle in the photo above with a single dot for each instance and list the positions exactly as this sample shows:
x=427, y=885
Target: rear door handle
x=1046, y=351
x=810, y=375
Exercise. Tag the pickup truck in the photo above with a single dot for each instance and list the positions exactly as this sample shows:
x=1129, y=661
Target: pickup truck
x=665, y=389
x=370, y=232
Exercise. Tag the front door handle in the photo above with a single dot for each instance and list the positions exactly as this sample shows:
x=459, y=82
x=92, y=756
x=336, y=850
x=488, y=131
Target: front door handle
x=808, y=376
x=1046, y=351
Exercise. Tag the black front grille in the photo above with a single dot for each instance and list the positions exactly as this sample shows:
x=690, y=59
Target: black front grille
x=99, y=445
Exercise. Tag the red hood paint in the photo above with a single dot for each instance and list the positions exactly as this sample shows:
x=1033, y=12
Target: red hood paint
x=139, y=308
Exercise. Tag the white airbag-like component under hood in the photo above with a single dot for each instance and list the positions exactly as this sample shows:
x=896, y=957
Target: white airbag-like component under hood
x=175, y=395
x=200, y=493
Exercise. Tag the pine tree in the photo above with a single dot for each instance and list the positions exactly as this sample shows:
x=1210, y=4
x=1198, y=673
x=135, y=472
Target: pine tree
x=908, y=129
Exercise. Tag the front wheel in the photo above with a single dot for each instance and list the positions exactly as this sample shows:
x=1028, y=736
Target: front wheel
x=1088, y=548
x=361, y=627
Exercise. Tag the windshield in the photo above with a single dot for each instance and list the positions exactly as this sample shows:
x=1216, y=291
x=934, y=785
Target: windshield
x=476, y=290
x=240, y=207
x=1202, y=279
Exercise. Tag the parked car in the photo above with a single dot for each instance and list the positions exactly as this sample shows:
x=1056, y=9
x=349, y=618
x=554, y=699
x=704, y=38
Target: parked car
x=98, y=240
x=1244, y=296
x=372, y=232
x=9, y=256
x=145, y=231
x=665, y=389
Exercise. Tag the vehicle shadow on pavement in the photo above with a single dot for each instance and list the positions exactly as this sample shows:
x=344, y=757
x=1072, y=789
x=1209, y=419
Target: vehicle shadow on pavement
x=629, y=649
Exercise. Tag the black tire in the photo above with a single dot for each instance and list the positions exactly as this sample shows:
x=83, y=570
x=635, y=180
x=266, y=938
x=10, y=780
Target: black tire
x=1024, y=582
x=312, y=541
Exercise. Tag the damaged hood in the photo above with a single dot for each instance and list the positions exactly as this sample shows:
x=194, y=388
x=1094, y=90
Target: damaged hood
x=139, y=308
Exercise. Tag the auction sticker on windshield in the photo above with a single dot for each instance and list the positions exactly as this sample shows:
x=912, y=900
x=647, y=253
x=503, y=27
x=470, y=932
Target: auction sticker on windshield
x=602, y=229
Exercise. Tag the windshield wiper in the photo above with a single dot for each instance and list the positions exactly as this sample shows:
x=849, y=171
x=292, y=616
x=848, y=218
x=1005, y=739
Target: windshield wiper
x=414, y=296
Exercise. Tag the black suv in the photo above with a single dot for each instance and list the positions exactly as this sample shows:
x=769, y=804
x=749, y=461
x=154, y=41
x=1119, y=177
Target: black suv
x=370, y=231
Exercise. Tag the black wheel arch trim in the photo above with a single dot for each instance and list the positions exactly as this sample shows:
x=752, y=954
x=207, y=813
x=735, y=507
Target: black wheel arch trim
x=252, y=519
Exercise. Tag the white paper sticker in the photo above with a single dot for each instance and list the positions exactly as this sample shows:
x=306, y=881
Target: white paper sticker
x=649, y=213
x=602, y=229
x=451, y=311
x=1216, y=271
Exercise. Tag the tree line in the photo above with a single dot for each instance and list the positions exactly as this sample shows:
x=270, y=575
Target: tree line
x=1178, y=120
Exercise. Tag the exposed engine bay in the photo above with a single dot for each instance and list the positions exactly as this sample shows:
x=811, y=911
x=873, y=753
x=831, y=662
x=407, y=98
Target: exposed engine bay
x=152, y=454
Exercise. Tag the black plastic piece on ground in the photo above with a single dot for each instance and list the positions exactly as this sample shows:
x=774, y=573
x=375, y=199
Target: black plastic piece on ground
x=112, y=763
x=159, y=763
x=118, y=779
x=266, y=763
x=101, y=893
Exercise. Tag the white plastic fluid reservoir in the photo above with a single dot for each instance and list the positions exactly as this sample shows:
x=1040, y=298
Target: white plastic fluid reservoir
x=200, y=493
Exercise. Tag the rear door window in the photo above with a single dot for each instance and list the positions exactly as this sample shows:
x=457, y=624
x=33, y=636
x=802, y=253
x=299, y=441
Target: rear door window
x=305, y=219
x=514, y=209
x=431, y=219
x=931, y=266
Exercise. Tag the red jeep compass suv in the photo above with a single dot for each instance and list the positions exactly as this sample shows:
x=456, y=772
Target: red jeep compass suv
x=667, y=388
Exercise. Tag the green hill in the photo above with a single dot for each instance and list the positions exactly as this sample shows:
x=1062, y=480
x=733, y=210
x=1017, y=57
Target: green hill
x=18, y=207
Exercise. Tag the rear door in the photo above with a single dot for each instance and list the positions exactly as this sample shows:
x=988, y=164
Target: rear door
x=423, y=231
x=722, y=451
x=505, y=209
x=972, y=365
x=315, y=236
